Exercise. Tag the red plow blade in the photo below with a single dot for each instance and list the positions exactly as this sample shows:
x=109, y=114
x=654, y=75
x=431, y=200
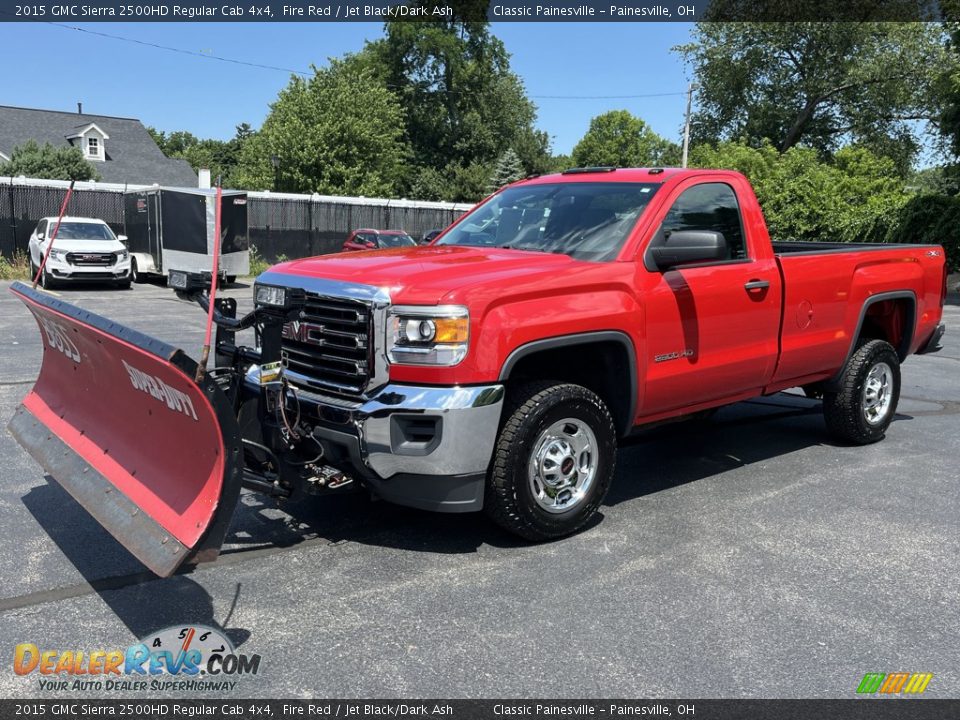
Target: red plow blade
x=116, y=418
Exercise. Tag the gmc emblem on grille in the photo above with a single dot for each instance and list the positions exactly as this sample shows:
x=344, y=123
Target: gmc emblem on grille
x=304, y=332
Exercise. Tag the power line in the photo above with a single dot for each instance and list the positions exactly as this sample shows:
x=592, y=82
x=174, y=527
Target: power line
x=304, y=73
x=182, y=51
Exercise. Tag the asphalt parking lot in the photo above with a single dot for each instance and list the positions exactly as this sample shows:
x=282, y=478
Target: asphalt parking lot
x=749, y=556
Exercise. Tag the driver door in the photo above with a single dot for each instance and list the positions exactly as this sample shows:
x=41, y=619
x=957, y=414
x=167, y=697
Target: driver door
x=712, y=328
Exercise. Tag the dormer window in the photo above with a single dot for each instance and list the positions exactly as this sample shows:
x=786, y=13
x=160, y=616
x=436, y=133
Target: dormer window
x=92, y=140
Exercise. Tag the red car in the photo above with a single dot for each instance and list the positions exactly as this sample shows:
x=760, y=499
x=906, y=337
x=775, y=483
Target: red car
x=367, y=239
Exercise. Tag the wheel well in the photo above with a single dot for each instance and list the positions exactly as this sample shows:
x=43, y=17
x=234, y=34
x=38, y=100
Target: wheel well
x=606, y=367
x=891, y=320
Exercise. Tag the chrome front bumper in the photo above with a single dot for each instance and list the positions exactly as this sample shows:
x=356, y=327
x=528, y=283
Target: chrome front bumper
x=422, y=446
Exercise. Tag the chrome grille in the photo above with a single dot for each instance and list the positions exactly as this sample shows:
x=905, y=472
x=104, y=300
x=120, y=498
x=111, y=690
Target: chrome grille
x=92, y=259
x=329, y=347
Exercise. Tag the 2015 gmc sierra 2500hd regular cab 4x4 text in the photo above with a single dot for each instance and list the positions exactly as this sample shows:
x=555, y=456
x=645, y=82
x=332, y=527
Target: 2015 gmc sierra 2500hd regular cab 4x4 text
x=494, y=369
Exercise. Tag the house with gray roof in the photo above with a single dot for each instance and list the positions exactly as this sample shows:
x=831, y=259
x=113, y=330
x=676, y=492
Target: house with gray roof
x=120, y=149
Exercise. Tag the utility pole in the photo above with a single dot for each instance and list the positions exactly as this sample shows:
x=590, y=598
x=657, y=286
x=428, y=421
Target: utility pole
x=686, y=123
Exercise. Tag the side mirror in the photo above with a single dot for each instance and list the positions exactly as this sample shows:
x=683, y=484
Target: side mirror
x=41, y=237
x=689, y=246
x=370, y=244
x=122, y=238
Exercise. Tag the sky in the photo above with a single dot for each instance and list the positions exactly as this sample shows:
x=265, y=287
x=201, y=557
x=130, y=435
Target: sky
x=58, y=66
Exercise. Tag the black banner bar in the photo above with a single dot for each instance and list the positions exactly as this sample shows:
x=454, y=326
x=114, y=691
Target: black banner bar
x=854, y=709
x=469, y=10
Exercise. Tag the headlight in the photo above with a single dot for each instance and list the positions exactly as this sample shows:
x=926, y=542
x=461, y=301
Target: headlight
x=177, y=279
x=58, y=255
x=122, y=254
x=270, y=295
x=428, y=335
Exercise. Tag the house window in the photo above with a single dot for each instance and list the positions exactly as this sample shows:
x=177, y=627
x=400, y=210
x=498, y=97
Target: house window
x=93, y=147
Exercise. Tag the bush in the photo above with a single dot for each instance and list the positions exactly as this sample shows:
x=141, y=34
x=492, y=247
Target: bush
x=258, y=263
x=15, y=268
x=933, y=219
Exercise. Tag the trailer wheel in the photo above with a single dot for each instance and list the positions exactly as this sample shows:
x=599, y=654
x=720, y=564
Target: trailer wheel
x=863, y=408
x=553, y=462
x=231, y=279
x=135, y=276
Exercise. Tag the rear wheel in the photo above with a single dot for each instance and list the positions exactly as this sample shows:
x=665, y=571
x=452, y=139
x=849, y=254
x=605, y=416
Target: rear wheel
x=553, y=462
x=863, y=408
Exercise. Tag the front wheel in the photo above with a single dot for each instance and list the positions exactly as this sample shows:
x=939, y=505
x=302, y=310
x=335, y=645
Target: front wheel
x=553, y=462
x=863, y=408
x=46, y=280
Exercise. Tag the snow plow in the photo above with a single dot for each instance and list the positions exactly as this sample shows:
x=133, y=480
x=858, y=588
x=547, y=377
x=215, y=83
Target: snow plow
x=117, y=418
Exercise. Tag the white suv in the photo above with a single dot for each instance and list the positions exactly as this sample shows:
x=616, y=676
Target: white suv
x=85, y=249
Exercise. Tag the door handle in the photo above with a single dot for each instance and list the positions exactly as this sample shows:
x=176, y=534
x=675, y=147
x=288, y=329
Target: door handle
x=757, y=285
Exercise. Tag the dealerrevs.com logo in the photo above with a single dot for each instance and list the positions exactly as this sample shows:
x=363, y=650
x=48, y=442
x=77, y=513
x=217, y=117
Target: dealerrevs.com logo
x=180, y=658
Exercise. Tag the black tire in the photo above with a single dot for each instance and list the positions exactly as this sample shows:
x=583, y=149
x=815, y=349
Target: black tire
x=46, y=280
x=846, y=410
x=231, y=279
x=135, y=276
x=531, y=410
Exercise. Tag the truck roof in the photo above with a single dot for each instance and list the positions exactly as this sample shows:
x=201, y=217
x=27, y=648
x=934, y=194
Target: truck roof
x=601, y=174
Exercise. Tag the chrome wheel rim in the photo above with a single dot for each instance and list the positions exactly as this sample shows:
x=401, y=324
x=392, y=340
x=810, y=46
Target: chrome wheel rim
x=563, y=465
x=877, y=393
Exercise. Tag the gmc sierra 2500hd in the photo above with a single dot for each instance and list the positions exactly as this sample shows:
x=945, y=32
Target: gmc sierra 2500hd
x=494, y=369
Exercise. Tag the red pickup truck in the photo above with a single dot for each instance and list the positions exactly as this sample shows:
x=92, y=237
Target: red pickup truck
x=498, y=367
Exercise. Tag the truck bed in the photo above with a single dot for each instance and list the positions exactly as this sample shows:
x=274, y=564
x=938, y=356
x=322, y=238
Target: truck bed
x=808, y=247
x=824, y=301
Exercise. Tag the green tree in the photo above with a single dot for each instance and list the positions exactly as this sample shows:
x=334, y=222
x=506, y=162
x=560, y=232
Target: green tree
x=462, y=105
x=620, y=139
x=817, y=84
x=855, y=197
x=339, y=132
x=48, y=162
x=221, y=157
x=508, y=169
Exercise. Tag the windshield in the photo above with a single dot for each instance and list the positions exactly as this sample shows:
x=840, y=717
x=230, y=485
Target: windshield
x=83, y=231
x=390, y=241
x=587, y=221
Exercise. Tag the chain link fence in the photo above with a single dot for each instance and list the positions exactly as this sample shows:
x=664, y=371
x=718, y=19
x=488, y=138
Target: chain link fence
x=279, y=225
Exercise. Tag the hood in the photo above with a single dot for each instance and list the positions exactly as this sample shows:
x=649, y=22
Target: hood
x=426, y=275
x=85, y=246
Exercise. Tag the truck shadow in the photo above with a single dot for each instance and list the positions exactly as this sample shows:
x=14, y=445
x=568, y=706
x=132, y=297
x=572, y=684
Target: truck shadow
x=143, y=602
x=652, y=461
x=655, y=460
